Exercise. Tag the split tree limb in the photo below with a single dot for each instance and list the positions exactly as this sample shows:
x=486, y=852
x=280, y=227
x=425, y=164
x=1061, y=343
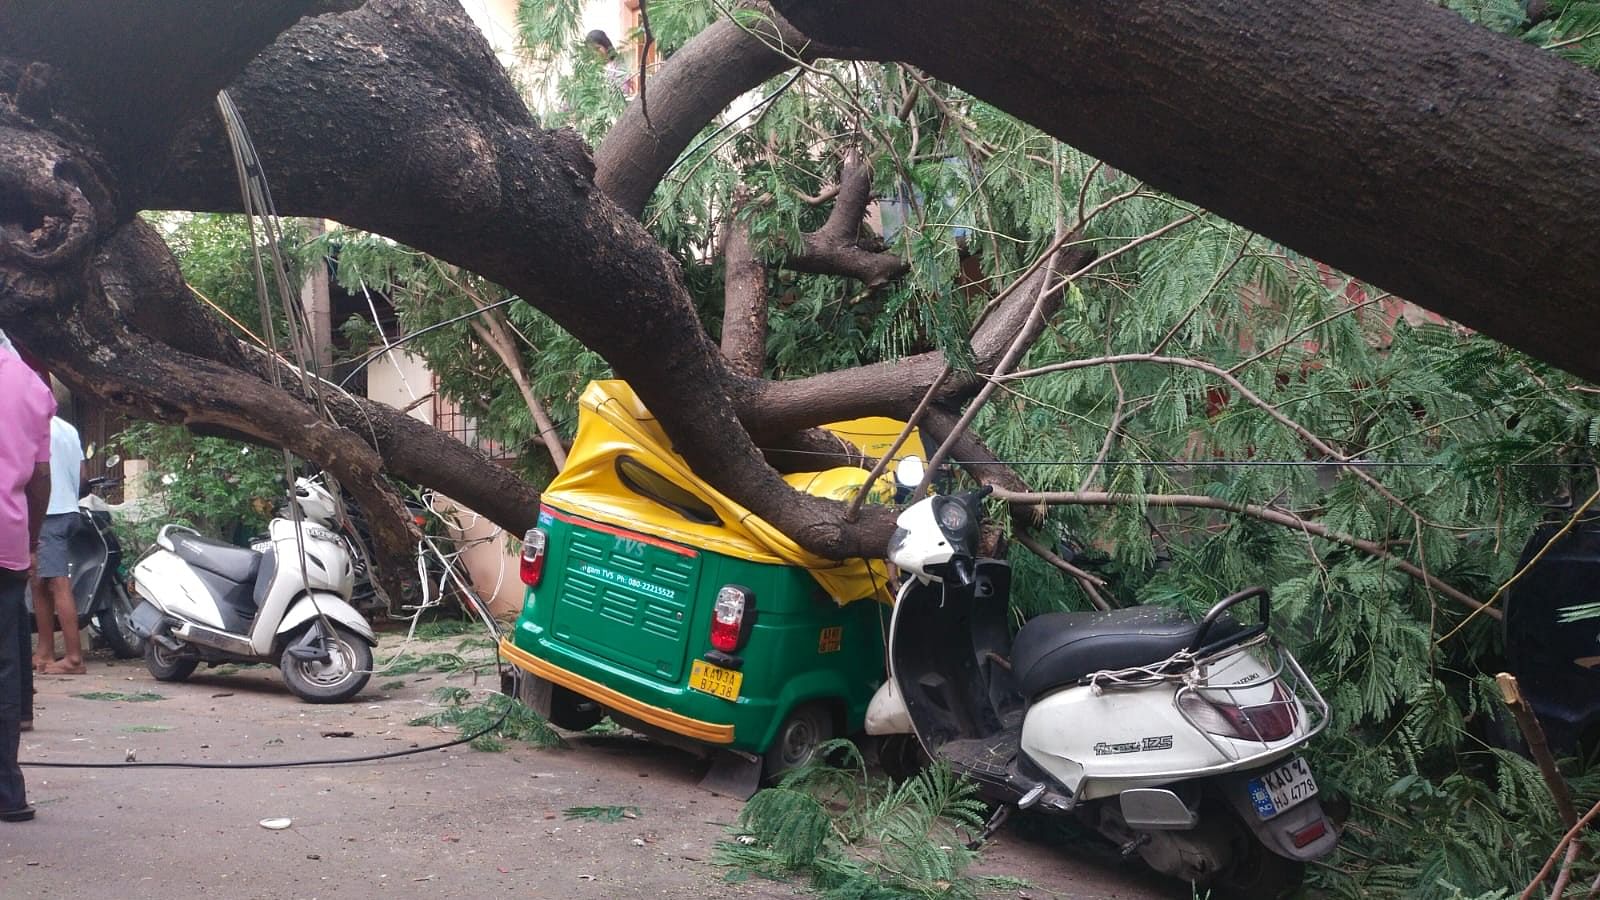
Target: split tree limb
x=1533, y=733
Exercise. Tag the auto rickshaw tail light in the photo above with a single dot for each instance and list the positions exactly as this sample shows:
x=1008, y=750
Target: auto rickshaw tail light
x=728, y=629
x=533, y=556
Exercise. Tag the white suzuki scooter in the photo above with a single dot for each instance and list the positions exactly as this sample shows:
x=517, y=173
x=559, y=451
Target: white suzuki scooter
x=1173, y=738
x=285, y=601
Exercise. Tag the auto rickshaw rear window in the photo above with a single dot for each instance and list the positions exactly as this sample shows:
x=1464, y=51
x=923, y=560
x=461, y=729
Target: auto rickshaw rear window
x=650, y=484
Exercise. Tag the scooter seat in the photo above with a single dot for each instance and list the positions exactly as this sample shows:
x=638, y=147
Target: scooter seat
x=237, y=564
x=1058, y=649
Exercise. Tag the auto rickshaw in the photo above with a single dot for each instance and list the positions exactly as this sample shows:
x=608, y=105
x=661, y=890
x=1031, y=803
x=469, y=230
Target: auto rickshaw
x=657, y=600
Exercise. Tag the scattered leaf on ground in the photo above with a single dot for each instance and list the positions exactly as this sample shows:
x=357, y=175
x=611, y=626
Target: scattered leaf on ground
x=601, y=813
x=498, y=716
x=119, y=697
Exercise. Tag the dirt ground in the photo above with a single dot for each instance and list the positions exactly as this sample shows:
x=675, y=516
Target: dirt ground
x=452, y=822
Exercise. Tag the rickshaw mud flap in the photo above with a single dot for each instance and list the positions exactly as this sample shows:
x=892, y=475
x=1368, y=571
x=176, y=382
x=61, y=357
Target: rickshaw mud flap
x=733, y=773
x=616, y=701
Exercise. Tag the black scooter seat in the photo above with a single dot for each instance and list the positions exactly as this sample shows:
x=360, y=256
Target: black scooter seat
x=1058, y=649
x=237, y=564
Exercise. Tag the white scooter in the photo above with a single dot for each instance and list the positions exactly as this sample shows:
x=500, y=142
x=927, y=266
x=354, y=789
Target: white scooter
x=285, y=601
x=1174, y=738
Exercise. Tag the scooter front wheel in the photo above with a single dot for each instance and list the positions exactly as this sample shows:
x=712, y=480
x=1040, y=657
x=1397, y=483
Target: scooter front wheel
x=166, y=665
x=346, y=672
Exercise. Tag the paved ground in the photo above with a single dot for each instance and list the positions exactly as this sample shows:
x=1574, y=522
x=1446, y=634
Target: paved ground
x=444, y=823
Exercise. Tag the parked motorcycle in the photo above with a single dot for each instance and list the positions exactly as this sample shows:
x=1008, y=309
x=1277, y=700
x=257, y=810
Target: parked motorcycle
x=94, y=565
x=1552, y=644
x=288, y=603
x=1173, y=738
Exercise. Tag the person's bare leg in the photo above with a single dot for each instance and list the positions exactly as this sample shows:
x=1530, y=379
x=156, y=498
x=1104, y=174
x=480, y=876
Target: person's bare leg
x=67, y=614
x=44, y=653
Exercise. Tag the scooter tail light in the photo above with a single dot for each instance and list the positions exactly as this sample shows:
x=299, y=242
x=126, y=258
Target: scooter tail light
x=1264, y=723
x=728, y=630
x=1309, y=833
x=534, y=542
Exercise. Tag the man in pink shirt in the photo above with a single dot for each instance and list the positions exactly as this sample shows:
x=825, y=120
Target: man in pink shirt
x=25, y=410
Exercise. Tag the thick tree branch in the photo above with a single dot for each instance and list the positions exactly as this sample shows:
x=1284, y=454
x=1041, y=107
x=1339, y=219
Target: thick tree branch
x=1387, y=181
x=837, y=247
x=419, y=68
x=85, y=51
x=744, y=291
x=691, y=88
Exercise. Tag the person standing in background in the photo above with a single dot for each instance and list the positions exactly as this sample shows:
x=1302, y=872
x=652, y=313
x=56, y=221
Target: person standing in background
x=52, y=589
x=25, y=410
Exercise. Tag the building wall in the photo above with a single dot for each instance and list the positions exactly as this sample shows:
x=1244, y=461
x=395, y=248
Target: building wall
x=402, y=379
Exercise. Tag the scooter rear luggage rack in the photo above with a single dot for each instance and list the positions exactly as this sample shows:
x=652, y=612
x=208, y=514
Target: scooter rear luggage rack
x=1299, y=695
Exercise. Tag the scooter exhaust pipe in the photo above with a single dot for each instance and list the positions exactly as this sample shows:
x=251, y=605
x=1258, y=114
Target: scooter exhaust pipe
x=206, y=637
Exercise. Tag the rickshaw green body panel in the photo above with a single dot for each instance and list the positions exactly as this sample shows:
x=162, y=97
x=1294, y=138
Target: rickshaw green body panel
x=631, y=613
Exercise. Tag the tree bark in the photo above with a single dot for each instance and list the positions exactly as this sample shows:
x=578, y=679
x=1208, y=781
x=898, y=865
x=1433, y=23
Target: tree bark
x=744, y=295
x=698, y=82
x=1392, y=140
x=837, y=248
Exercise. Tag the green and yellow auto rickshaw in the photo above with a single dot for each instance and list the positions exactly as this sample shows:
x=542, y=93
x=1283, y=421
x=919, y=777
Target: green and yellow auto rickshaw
x=655, y=599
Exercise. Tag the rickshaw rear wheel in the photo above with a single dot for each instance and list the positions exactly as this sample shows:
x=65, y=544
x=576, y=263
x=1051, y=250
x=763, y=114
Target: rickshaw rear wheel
x=806, y=728
x=559, y=706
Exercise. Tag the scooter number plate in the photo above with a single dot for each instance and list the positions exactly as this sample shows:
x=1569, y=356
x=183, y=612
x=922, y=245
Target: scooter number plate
x=1288, y=785
x=715, y=680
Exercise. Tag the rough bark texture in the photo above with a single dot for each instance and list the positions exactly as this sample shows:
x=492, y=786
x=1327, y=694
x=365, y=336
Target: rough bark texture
x=744, y=296
x=1392, y=140
x=432, y=146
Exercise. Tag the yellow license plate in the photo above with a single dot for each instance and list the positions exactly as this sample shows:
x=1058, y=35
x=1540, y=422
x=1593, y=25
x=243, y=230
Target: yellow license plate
x=715, y=680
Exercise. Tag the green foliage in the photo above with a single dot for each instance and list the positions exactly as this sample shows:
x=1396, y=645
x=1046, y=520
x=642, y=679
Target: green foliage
x=859, y=837
x=217, y=486
x=120, y=697
x=495, y=720
x=1568, y=27
x=601, y=813
x=425, y=292
x=405, y=663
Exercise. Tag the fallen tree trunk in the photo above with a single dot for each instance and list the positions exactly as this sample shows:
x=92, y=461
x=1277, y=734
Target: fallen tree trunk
x=1392, y=140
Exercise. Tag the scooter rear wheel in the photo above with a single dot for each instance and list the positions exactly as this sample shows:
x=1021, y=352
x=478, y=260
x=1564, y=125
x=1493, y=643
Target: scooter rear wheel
x=115, y=624
x=1256, y=873
x=166, y=665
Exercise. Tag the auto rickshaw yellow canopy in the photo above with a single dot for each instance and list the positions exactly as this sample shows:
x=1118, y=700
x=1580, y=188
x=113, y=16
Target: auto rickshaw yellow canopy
x=621, y=455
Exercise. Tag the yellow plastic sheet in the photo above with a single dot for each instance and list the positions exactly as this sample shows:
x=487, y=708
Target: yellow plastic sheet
x=618, y=438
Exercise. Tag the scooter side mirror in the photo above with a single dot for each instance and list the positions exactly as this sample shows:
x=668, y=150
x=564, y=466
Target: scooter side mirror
x=909, y=472
x=113, y=461
x=88, y=452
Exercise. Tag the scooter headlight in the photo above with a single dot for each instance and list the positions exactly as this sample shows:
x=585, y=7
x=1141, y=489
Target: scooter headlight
x=952, y=516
